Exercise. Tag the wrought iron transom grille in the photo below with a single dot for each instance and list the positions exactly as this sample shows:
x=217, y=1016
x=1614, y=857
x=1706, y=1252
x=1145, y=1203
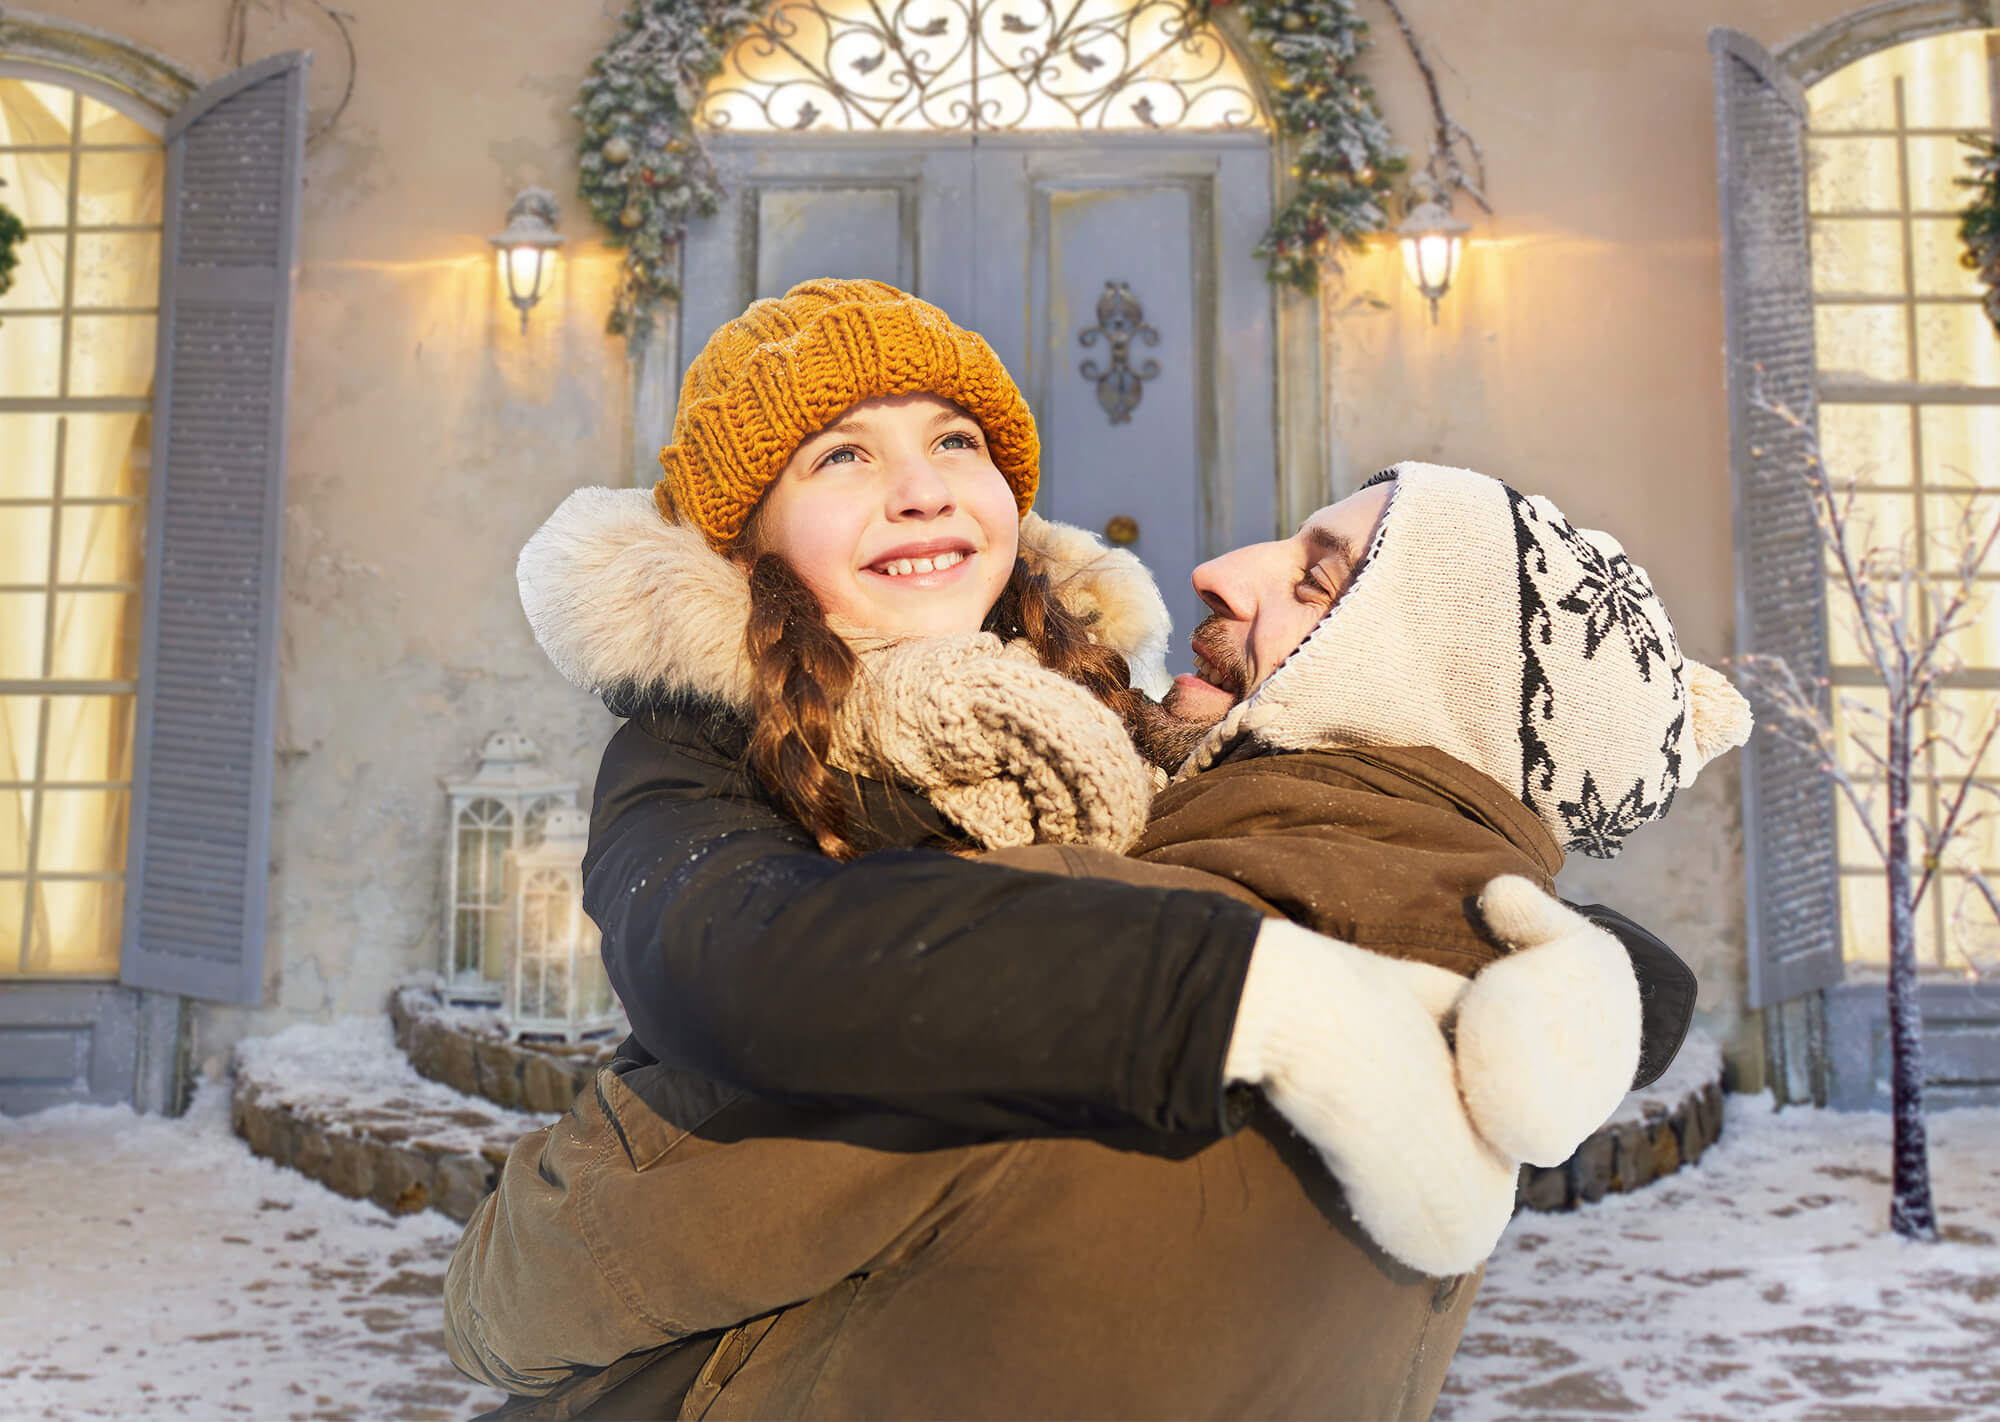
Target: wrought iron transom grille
x=979, y=66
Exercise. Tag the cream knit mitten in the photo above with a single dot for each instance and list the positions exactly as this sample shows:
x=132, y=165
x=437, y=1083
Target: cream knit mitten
x=1346, y=1048
x=1010, y=751
x=1548, y=1037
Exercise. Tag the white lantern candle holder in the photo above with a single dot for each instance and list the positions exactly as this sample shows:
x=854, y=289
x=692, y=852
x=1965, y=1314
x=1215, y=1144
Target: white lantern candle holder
x=556, y=987
x=500, y=808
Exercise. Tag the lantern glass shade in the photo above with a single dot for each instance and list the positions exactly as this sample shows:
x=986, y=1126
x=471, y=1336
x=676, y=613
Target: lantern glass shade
x=501, y=808
x=556, y=985
x=479, y=916
x=521, y=272
x=1431, y=261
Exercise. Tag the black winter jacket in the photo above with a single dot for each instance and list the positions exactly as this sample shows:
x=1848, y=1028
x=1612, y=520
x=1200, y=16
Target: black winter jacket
x=910, y=978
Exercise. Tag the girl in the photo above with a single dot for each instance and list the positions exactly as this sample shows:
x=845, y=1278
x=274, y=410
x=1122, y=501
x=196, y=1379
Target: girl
x=839, y=574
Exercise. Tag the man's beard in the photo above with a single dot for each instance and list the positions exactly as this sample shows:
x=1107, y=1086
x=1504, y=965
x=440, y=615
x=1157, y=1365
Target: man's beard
x=1165, y=735
x=1163, y=738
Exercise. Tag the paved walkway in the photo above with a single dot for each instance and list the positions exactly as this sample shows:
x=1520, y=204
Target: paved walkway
x=1760, y=1283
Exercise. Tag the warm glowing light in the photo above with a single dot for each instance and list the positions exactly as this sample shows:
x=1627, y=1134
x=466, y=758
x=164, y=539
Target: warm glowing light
x=1432, y=261
x=528, y=249
x=1432, y=240
x=521, y=270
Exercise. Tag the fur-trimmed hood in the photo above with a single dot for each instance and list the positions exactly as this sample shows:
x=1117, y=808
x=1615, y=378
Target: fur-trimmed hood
x=632, y=607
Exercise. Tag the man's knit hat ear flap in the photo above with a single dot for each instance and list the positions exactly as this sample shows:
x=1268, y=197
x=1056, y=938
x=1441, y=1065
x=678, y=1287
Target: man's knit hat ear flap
x=1721, y=717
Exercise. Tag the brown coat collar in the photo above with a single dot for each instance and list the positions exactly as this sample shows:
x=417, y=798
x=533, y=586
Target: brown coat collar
x=1387, y=846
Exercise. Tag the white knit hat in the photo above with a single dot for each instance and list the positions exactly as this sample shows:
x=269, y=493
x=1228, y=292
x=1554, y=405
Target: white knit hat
x=1484, y=624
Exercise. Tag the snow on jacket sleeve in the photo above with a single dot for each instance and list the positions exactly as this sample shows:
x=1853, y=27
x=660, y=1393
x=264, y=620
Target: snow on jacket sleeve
x=912, y=980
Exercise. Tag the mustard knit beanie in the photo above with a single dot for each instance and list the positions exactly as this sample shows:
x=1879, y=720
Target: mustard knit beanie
x=787, y=367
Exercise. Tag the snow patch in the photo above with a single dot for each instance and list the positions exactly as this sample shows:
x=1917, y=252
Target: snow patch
x=349, y=1072
x=157, y=1269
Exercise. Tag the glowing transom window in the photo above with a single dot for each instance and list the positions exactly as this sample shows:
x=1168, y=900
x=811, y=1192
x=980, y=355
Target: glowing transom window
x=979, y=65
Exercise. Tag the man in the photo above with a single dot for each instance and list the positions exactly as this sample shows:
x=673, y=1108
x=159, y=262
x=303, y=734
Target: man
x=827, y=1262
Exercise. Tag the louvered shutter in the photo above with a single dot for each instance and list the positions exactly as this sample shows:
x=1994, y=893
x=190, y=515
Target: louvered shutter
x=201, y=815
x=1788, y=806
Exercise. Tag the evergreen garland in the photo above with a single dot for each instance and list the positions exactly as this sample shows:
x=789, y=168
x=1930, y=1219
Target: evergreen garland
x=1979, y=222
x=644, y=172
x=13, y=232
x=1345, y=156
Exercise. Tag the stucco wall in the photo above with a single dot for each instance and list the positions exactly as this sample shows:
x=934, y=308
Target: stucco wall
x=1579, y=355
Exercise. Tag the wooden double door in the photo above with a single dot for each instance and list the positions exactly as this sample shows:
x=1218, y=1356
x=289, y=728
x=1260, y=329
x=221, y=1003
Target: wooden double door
x=1115, y=276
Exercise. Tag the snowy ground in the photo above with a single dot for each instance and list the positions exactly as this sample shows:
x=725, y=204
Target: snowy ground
x=1760, y=1283
x=156, y=1269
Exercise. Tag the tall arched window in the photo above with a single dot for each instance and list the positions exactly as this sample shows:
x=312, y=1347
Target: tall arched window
x=144, y=358
x=1845, y=303
x=1909, y=401
x=77, y=337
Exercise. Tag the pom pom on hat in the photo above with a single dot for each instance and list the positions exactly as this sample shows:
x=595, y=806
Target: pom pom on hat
x=1720, y=715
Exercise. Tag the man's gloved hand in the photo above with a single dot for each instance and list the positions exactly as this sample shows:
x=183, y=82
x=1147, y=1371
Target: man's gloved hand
x=1547, y=1037
x=1345, y=1043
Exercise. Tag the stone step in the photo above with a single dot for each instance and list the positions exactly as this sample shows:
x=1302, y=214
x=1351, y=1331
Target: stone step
x=467, y=1050
x=341, y=1104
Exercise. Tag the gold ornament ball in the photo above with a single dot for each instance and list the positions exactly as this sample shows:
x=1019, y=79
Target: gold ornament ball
x=616, y=150
x=1293, y=22
x=631, y=216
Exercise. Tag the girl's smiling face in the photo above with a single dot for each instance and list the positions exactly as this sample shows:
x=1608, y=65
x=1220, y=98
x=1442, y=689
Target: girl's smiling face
x=896, y=517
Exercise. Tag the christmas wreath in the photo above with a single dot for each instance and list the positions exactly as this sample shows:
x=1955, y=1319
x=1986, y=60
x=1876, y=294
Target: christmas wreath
x=1979, y=222
x=644, y=173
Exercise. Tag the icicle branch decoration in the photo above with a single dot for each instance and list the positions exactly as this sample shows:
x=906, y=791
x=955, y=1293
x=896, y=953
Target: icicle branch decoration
x=1448, y=135
x=236, y=43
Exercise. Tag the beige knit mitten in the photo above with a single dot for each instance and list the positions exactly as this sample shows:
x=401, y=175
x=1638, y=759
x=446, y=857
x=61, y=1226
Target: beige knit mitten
x=1353, y=1058
x=1010, y=751
x=1548, y=1037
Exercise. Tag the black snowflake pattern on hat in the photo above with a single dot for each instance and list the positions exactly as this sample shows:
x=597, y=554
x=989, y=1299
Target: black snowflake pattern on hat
x=1612, y=594
x=1599, y=830
x=1538, y=696
x=1670, y=748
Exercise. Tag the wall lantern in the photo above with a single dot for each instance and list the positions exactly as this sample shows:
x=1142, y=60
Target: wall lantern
x=501, y=807
x=556, y=987
x=528, y=248
x=1432, y=240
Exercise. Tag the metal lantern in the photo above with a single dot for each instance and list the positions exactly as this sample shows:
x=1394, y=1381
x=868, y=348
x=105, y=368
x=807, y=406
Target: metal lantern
x=502, y=807
x=556, y=987
x=1432, y=240
x=528, y=248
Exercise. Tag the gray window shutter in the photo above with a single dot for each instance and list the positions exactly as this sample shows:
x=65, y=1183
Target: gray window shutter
x=197, y=864
x=1788, y=807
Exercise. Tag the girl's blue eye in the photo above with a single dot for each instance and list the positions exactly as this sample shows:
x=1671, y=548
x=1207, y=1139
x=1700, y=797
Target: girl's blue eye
x=965, y=441
x=842, y=455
